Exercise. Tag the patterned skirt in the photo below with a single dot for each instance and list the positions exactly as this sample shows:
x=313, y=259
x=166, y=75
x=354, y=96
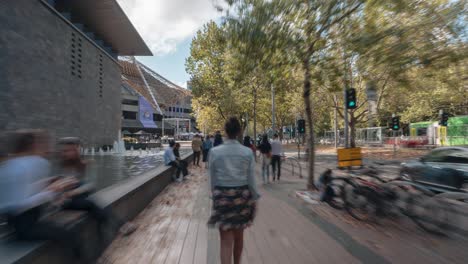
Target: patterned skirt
x=233, y=208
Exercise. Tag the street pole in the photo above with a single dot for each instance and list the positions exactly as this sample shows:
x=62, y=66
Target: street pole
x=246, y=132
x=273, y=125
x=394, y=140
x=345, y=120
x=336, y=123
x=162, y=128
x=177, y=130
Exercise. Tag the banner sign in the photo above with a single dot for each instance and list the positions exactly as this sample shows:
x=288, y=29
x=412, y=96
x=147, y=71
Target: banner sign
x=146, y=112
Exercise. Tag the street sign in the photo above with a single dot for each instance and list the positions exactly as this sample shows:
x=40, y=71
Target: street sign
x=348, y=157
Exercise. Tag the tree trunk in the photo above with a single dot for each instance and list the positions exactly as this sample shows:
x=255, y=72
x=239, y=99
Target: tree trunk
x=308, y=110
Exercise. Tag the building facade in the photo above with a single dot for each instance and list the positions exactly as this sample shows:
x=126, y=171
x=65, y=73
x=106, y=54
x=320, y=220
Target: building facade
x=60, y=69
x=145, y=93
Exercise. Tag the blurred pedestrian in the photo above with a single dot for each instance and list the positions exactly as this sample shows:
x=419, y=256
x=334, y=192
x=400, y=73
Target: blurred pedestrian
x=234, y=192
x=196, y=147
x=265, y=150
x=26, y=189
x=182, y=162
x=171, y=160
x=218, y=139
x=276, y=156
x=76, y=196
x=248, y=143
x=207, y=145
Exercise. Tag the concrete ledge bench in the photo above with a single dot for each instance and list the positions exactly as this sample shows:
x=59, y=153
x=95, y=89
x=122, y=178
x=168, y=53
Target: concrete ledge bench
x=126, y=200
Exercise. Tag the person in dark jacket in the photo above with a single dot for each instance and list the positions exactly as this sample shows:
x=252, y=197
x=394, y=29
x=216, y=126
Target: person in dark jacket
x=248, y=143
x=265, y=150
x=183, y=163
x=218, y=140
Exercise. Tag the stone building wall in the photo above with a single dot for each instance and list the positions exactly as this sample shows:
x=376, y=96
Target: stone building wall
x=50, y=76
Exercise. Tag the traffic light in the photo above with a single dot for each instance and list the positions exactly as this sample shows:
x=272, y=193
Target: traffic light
x=444, y=119
x=301, y=126
x=351, y=98
x=396, y=123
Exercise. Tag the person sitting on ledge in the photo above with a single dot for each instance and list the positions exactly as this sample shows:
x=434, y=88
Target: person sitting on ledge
x=183, y=163
x=171, y=160
x=76, y=197
x=26, y=189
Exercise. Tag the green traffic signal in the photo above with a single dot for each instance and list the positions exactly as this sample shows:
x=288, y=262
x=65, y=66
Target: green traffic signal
x=395, y=127
x=351, y=98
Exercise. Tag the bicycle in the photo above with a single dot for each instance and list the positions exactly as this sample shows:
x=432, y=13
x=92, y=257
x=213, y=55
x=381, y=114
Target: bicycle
x=368, y=200
x=332, y=189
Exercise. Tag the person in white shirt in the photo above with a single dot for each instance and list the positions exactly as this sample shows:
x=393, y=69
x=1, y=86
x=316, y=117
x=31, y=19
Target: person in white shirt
x=171, y=160
x=276, y=155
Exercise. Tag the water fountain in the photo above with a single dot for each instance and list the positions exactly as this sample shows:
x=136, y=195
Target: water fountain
x=119, y=145
x=110, y=167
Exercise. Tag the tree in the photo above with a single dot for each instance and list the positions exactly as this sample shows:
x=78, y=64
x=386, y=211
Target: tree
x=390, y=51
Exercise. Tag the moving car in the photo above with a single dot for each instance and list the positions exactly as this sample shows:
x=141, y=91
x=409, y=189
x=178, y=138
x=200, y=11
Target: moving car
x=444, y=169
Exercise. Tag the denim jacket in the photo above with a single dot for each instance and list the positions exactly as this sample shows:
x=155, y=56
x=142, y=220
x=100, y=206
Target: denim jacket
x=231, y=165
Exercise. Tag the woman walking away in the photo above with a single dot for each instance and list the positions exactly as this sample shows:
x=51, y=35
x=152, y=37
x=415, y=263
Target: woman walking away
x=207, y=145
x=265, y=150
x=234, y=192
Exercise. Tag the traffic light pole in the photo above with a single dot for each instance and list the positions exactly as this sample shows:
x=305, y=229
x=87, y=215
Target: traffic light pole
x=336, y=122
x=273, y=125
x=345, y=120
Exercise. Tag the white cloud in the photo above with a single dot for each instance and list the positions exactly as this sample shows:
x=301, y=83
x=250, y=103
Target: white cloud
x=165, y=23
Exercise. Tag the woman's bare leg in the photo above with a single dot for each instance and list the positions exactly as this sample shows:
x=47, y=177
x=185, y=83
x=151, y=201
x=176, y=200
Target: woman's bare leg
x=227, y=243
x=238, y=245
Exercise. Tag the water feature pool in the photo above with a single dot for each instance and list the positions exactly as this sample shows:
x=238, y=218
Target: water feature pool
x=107, y=169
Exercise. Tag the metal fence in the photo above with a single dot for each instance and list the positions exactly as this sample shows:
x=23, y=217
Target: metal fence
x=433, y=136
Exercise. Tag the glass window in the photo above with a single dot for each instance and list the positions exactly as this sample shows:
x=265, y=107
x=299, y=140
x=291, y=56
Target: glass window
x=157, y=117
x=129, y=115
x=129, y=102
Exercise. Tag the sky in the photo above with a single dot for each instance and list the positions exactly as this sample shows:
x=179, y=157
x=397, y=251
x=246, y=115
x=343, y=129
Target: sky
x=167, y=27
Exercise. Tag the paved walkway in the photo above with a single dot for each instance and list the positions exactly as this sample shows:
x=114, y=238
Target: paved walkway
x=287, y=230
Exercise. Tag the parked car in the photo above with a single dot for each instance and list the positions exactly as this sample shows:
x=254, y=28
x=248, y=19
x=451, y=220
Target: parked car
x=444, y=169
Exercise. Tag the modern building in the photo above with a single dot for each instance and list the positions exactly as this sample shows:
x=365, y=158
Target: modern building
x=148, y=98
x=60, y=68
